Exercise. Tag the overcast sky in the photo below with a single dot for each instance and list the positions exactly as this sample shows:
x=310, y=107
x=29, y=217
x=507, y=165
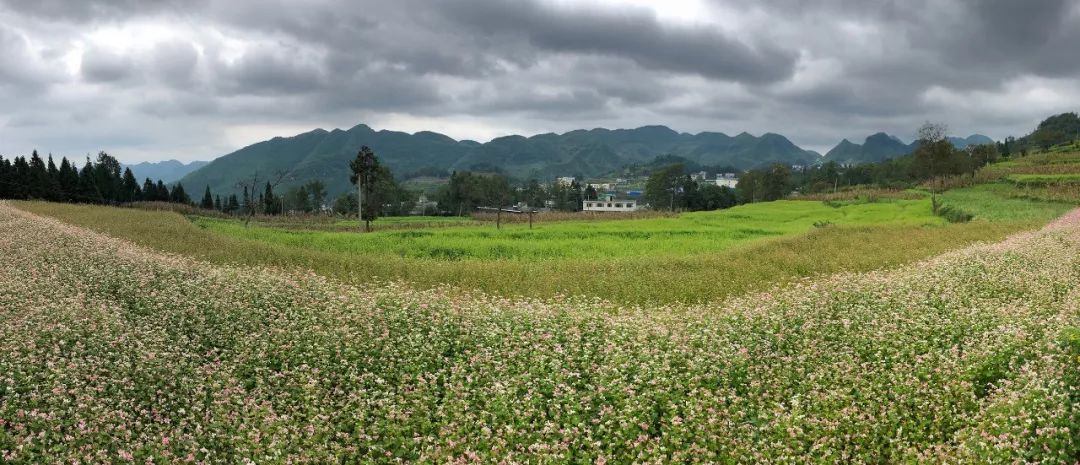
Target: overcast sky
x=195, y=79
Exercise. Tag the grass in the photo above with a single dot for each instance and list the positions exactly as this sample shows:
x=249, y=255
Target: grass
x=1044, y=179
x=696, y=257
x=688, y=234
x=999, y=202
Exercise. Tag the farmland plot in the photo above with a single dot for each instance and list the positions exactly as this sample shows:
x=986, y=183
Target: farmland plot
x=111, y=353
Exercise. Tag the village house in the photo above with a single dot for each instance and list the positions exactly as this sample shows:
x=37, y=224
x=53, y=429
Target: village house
x=729, y=180
x=608, y=203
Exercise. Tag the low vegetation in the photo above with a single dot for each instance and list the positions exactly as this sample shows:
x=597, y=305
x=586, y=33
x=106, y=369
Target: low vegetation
x=112, y=353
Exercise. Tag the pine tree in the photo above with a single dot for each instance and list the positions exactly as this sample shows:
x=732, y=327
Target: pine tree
x=270, y=204
x=162, y=192
x=149, y=192
x=107, y=175
x=234, y=204
x=38, y=181
x=69, y=180
x=130, y=187
x=87, y=190
x=179, y=196
x=6, y=180
x=21, y=178
x=54, y=192
x=217, y=203
x=207, y=200
x=247, y=201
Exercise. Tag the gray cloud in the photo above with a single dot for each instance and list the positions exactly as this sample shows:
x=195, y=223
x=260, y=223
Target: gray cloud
x=76, y=72
x=104, y=66
x=636, y=35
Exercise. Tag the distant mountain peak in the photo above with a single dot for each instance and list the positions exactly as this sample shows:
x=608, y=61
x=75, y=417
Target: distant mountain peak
x=167, y=171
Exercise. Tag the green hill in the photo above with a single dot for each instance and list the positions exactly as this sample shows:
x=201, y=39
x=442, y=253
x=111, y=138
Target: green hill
x=324, y=155
x=876, y=148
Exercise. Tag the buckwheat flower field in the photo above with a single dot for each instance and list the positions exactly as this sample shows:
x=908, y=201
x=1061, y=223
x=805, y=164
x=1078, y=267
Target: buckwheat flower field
x=111, y=354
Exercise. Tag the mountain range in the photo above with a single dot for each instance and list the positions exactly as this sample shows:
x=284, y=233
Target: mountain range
x=882, y=146
x=168, y=171
x=324, y=155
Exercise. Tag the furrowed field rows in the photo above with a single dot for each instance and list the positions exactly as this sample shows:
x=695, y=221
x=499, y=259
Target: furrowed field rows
x=111, y=353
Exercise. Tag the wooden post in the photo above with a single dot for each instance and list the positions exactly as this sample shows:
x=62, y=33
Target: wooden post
x=530, y=218
x=498, y=218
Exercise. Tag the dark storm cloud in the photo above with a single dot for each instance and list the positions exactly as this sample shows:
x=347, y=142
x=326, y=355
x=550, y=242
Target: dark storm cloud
x=1036, y=35
x=809, y=69
x=636, y=35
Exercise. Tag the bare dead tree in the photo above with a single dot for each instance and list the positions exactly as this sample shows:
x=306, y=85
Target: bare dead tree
x=255, y=202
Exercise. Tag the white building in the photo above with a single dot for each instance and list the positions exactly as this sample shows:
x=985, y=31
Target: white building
x=610, y=204
x=727, y=180
x=699, y=176
x=424, y=206
x=565, y=180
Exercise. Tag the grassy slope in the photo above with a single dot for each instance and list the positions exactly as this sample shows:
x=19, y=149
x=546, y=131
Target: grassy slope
x=662, y=277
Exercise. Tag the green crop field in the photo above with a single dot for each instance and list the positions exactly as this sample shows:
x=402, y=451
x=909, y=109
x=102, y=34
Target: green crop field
x=697, y=257
x=688, y=234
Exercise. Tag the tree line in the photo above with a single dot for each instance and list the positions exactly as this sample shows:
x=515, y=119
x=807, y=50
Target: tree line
x=101, y=181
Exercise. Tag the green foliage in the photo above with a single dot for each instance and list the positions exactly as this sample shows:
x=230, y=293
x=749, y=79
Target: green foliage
x=1058, y=129
x=382, y=194
x=466, y=191
x=665, y=186
x=765, y=185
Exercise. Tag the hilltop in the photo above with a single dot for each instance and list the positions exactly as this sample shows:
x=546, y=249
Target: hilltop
x=881, y=146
